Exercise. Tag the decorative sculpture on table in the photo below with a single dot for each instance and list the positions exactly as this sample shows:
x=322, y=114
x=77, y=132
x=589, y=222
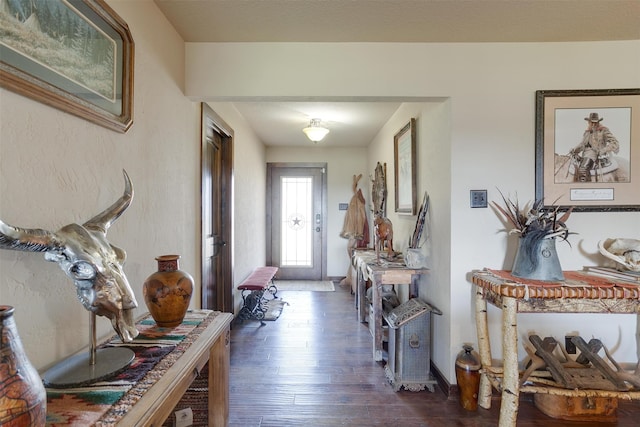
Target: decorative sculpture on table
x=383, y=237
x=625, y=252
x=95, y=265
x=379, y=190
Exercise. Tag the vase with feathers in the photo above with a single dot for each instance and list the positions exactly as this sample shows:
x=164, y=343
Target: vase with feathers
x=538, y=227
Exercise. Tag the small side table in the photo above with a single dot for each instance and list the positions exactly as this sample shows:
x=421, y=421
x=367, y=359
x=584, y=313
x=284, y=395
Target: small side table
x=578, y=293
x=384, y=273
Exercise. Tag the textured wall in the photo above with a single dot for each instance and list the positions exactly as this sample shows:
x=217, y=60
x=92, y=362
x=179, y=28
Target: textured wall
x=487, y=138
x=56, y=169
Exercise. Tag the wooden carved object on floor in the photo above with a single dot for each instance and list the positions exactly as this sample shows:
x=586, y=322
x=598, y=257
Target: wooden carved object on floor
x=618, y=377
x=544, y=349
x=594, y=346
x=537, y=363
x=589, y=371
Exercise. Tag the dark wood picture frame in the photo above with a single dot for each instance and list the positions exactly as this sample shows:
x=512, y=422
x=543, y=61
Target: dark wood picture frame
x=83, y=64
x=561, y=124
x=404, y=162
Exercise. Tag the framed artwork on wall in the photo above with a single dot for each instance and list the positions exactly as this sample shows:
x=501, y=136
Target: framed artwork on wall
x=404, y=150
x=588, y=149
x=74, y=55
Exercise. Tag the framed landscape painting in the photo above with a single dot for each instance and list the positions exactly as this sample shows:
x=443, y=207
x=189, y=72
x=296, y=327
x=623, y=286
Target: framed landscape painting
x=588, y=149
x=404, y=149
x=74, y=55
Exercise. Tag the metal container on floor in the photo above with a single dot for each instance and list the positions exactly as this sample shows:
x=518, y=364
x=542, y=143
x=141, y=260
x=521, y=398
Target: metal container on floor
x=409, y=361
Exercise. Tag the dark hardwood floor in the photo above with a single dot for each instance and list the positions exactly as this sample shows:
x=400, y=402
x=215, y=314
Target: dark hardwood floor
x=313, y=367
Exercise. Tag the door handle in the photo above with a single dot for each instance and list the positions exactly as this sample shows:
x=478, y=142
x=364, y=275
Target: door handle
x=216, y=246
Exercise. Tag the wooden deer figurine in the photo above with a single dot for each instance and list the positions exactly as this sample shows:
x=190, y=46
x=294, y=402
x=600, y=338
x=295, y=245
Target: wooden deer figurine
x=383, y=234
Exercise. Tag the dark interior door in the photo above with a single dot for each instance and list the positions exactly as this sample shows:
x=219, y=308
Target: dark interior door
x=217, y=278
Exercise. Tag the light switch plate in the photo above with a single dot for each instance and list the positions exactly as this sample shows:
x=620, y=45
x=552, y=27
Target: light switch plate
x=478, y=198
x=184, y=418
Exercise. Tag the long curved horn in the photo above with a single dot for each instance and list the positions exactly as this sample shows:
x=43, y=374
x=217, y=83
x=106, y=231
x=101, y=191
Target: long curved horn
x=30, y=240
x=103, y=220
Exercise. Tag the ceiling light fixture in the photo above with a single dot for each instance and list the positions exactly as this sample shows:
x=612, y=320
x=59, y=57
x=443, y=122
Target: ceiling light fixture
x=314, y=131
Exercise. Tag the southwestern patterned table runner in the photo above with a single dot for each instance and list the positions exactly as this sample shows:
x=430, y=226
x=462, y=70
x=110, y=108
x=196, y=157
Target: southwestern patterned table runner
x=103, y=403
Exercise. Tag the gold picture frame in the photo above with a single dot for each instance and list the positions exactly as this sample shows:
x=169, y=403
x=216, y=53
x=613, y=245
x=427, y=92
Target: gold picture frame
x=404, y=150
x=590, y=170
x=76, y=56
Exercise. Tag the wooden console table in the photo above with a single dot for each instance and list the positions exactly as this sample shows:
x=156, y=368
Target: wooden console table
x=385, y=272
x=578, y=293
x=151, y=400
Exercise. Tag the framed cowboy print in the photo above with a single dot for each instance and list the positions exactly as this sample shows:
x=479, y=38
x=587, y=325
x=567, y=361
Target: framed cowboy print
x=588, y=149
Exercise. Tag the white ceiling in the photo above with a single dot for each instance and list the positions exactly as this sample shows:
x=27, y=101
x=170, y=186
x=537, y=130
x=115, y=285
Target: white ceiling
x=403, y=20
x=356, y=123
x=349, y=123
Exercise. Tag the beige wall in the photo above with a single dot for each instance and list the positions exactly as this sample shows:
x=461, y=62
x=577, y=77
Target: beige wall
x=478, y=133
x=57, y=169
x=486, y=141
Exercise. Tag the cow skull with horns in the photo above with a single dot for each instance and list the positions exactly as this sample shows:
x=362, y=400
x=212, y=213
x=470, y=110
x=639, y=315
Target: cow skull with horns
x=85, y=255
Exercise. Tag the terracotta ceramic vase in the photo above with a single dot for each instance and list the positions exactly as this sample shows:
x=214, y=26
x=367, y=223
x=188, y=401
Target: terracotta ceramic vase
x=468, y=377
x=23, y=400
x=167, y=292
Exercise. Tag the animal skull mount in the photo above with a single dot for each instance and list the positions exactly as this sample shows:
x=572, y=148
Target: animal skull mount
x=625, y=252
x=85, y=255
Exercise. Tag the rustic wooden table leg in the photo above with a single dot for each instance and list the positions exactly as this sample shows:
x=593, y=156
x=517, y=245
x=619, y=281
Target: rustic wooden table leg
x=363, y=307
x=484, y=348
x=376, y=298
x=219, y=361
x=510, y=383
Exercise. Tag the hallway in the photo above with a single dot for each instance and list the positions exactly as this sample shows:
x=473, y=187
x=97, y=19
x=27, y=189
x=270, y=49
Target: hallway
x=313, y=367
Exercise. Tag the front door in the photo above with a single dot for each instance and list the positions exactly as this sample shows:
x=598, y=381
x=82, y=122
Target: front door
x=296, y=223
x=217, y=278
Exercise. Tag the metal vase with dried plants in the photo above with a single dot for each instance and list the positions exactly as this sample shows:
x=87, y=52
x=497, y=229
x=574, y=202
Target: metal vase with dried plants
x=538, y=228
